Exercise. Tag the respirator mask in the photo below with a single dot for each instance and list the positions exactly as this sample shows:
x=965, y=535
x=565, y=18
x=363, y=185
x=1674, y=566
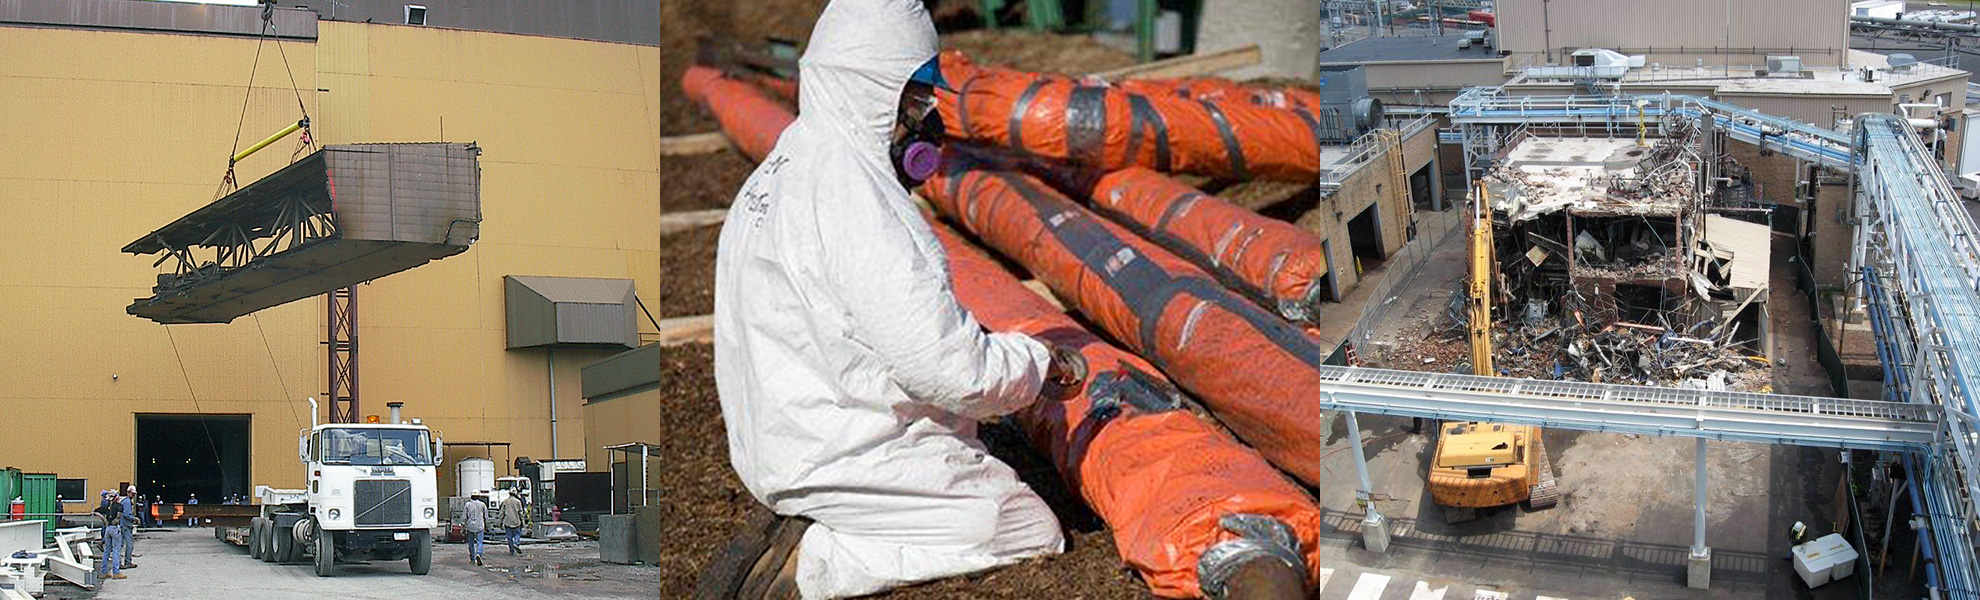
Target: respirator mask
x=917, y=155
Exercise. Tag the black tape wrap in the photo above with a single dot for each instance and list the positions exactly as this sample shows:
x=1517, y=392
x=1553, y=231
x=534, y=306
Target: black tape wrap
x=1023, y=104
x=1233, y=150
x=1142, y=118
x=1086, y=125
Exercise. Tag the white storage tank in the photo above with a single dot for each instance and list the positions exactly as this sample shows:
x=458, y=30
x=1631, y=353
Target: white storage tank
x=473, y=475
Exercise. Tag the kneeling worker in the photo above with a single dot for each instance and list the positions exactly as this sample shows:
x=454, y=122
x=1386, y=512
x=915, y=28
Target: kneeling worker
x=851, y=381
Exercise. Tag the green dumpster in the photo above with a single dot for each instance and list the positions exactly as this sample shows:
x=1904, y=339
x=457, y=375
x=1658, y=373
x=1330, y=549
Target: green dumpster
x=38, y=489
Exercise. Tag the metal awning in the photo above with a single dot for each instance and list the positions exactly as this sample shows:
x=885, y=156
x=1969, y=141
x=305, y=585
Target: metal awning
x=570, y=311
x=622, y=374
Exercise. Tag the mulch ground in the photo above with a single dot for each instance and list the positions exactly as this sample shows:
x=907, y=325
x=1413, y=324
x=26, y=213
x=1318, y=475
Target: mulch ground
x=687, y=264
x=703, y=181
x=704, y=503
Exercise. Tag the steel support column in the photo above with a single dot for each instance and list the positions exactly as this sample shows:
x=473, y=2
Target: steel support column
x=1374, y=527
x=342, y=348
x=1698, y=567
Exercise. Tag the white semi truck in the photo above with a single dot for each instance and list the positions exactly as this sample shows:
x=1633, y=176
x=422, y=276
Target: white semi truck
x=371, y=496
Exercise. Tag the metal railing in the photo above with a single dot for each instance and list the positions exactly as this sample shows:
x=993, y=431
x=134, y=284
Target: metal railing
x=1367, y=148
x=1917, y=71
x=1491, y=105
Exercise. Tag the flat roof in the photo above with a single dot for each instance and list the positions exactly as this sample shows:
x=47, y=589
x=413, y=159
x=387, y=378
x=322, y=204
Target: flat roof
x=1746, y=79
x=1413, y=48
x=1572, y=174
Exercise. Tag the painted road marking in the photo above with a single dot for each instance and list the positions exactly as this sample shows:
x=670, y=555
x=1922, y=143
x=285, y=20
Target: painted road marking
x=1547, y=598
x=1488, y=595
x=1423, y=592
x=1369, y=587
x=1325, y=574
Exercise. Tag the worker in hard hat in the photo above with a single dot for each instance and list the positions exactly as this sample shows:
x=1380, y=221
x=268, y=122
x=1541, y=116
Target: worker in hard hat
x=131, y=522
x=851, y=381
x=1797, y=535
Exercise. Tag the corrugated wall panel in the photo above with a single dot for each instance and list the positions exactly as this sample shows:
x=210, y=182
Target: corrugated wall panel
x=596, y=323
x=343, y=64
x=1817, y=29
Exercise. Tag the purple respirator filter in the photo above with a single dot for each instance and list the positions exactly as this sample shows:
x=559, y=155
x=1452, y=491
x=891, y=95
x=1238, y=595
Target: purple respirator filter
x=921, y=160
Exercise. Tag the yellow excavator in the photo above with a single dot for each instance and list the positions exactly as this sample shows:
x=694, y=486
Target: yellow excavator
x=1477, y=464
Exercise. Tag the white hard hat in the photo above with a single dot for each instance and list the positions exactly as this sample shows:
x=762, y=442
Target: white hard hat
x=1799, y=528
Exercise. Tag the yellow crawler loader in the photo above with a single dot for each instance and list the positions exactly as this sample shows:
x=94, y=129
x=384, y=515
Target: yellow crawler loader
x=1482, y=465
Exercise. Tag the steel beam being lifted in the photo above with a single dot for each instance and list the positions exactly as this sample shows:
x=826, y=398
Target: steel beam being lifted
x=343, y=215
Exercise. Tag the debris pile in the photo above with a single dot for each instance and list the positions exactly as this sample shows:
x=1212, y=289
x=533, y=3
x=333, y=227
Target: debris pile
x=1612, y=268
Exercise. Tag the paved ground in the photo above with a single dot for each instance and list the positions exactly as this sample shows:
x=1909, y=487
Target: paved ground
x=188, y=564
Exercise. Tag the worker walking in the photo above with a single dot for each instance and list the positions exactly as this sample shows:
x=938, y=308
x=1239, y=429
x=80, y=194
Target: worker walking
x=192, y=500
x=474, y=524
x=512, y=520
x=851, y=381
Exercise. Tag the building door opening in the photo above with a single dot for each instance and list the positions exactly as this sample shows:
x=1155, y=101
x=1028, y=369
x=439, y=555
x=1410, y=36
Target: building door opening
x=1421, y=192
x=179, y=456
x=1365, y=238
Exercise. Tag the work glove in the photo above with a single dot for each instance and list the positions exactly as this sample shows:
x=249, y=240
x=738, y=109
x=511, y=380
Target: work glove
x=1066, y=374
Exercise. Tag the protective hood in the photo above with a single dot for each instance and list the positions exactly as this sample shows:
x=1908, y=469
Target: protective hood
x=860, y=57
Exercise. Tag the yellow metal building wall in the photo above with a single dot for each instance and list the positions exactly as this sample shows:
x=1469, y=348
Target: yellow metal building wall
x=570, y=187
x=1817, y=30
x=109, y=136
x=132, y=130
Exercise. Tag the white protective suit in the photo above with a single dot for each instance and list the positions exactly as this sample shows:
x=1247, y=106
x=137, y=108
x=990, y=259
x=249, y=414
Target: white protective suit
x=850, y=378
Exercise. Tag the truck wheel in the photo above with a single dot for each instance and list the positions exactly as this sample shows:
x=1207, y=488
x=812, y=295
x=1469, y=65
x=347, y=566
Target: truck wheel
x=326, y=554
x=268, y=542
x=284, y=543
x=422, y=558
x=254, y=538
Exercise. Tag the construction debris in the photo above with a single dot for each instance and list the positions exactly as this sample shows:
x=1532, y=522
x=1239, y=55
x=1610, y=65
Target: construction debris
x=1613, y=269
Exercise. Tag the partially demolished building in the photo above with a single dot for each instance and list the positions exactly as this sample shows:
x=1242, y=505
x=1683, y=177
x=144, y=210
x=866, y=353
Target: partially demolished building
x=1628, y=260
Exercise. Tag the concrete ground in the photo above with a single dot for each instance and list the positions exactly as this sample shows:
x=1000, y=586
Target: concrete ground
x=1623, y=526
x=1624, y=523
x=188, y=564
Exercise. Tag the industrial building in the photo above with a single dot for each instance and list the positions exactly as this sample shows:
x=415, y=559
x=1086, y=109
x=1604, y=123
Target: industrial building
x=487, y=346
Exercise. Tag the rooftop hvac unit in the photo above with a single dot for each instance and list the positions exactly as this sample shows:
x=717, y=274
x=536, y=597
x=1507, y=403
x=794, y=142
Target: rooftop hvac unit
x=1346, y=110
x=1901, y=62
x=1596, y=63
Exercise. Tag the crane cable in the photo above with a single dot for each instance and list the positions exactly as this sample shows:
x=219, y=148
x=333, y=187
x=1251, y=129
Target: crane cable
x=229, y=183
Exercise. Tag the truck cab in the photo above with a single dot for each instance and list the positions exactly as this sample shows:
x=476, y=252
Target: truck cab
x=372, y=477
x=371, y=496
